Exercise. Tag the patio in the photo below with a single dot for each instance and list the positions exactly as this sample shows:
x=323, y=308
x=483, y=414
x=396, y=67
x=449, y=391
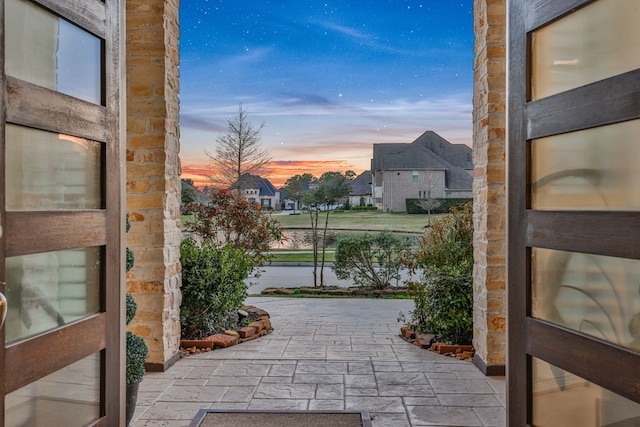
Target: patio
x=327, y=354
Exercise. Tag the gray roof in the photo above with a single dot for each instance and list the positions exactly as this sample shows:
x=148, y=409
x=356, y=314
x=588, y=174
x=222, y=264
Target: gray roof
x=248, y=181
x=361, y=185
x=429, y=151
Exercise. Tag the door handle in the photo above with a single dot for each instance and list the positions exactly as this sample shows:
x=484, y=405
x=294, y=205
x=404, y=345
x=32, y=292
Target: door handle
x=3, y=309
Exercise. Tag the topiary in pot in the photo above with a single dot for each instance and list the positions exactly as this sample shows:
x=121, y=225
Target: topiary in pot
x=136, y=357
x=136, y=349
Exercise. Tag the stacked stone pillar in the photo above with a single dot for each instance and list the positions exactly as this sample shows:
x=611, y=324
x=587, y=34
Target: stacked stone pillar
x=153, y=175
x=489, y=192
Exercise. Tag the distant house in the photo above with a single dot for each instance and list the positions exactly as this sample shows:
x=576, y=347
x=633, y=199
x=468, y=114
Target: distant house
x=256, y=189
x=360, y=194
x=429, y=167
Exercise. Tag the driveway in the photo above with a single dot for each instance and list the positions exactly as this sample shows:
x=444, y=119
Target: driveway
x=327, y=354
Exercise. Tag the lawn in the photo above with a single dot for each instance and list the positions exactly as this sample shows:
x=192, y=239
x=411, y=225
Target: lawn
x=301, y=256
x=359, y=220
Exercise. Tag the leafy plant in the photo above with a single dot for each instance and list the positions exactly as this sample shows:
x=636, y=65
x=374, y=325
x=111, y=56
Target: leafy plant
x=229, y=219
x=136, y=347
x=213, y=286
x=370, y=260
x=444, y=297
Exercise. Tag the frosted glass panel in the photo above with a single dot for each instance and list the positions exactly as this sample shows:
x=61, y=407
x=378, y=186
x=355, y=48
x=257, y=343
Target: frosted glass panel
x=594, y=169
x=593, y=294
x=50, y=289
x=598, y=41
x=50, y=171
x=563, y=399
x=67, y=398
x=46, y=50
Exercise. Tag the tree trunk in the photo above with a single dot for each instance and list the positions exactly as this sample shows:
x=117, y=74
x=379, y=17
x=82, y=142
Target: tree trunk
x=314, y=244
x=324, y=247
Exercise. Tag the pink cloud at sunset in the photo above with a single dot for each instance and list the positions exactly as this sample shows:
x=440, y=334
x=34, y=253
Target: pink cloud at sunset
x=279, y=171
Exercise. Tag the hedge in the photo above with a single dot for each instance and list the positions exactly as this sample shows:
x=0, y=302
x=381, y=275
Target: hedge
x=445, y=205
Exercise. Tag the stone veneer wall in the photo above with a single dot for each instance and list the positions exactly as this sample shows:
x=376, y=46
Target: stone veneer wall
x=489, y=193
x=153, y=175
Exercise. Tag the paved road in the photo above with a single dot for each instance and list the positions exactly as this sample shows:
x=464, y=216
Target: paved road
x=291, y=276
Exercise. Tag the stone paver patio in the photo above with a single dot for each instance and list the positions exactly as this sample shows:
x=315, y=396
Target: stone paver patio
x=327, y=354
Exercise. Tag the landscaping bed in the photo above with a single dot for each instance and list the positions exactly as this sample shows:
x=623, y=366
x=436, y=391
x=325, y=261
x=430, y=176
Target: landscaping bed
x=258, y=325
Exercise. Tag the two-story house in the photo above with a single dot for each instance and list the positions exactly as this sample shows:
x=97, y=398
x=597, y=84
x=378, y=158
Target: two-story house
x=429, y=167
x=260, y=190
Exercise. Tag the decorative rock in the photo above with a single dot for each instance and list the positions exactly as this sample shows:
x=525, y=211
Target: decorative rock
x=243, y=313
x=232, y=333
x=223, y=341
x=247, y=331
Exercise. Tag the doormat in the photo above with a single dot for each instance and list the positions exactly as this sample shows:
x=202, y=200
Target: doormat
x=249, y=418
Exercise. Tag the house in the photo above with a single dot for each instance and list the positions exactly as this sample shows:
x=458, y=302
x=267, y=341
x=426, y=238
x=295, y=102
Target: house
x=260, y=190
x=429, y=167
x=360, y=194
x=571, y=74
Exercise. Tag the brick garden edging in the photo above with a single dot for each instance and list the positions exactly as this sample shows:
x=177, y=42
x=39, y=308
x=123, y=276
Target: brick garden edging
x=459, y=351
x=260, y=327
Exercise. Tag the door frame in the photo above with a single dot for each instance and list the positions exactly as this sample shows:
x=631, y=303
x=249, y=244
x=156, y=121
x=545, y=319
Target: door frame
x=26, y=104
x=613, y=367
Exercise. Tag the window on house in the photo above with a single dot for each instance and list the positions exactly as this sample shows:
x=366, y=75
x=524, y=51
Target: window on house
x=415, y=175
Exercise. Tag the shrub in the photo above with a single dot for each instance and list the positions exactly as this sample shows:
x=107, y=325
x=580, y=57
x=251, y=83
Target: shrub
x=444, y=305
x=445, y=205
x=444, y=297
x=363, y=208
x=213, y=286
x=370, y=260
x=136, y=347
x=229, y=219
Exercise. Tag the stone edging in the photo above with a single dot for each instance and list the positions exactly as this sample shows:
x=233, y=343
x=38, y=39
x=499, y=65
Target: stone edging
x=253, y=330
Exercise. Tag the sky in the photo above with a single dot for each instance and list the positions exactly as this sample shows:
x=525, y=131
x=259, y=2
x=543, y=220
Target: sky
x=327, y=78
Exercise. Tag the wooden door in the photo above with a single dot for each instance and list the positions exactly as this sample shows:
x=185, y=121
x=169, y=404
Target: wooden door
x=574, y=213
x=61, y=213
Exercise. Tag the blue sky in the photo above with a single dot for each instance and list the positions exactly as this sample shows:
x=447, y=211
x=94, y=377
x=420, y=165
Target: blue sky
x=328, y=78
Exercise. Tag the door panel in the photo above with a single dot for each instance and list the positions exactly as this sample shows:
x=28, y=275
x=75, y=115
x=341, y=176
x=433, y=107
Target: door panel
x=573, y=213
x=61, y=213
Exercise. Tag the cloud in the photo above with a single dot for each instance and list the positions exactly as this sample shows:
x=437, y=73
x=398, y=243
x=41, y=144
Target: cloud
x=200, y=121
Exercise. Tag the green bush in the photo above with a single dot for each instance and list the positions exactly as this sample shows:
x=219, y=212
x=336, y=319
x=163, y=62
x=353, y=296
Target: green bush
x=445, y=205
x=363, y=208
x=444, y=297
x=444, y=305
x=370, y=260
x=136, y=357
x=213, y=286
x=136, y=347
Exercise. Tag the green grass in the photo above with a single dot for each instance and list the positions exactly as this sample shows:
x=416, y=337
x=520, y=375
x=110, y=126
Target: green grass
x=360, y=220
x=301, y=256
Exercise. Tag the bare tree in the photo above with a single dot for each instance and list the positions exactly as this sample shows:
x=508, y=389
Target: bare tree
x=239, y=151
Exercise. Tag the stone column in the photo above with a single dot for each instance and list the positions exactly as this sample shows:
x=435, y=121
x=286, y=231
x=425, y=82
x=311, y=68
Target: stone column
x=489, y=193
x=153, y=175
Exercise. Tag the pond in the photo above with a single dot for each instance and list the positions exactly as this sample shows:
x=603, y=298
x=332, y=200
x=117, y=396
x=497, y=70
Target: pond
x=301, y=238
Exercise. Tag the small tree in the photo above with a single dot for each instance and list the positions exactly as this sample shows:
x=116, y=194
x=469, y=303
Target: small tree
x=296, y=187
x=428, y=204
x=370, y=260
x=238, y=152
x=228, y=219
x=334, y=186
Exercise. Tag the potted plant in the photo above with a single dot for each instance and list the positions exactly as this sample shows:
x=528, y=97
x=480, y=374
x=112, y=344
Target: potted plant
x=136, y=357
x=136, y=348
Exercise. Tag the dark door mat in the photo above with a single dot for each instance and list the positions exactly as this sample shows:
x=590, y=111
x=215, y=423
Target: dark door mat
x=235, y=418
